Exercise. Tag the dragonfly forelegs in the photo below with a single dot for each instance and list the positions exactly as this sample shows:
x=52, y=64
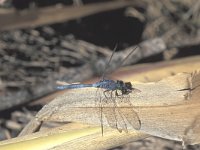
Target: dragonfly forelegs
x=107, y=96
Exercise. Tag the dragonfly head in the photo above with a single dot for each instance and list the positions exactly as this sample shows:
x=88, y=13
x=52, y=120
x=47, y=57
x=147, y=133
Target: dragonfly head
x=125, y=87
x=128, y=88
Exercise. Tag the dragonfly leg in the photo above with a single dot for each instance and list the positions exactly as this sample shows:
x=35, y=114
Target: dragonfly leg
x=117, y=94
x=104, y=92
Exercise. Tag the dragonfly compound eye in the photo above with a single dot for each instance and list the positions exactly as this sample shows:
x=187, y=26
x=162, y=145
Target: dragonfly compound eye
x=128, y=85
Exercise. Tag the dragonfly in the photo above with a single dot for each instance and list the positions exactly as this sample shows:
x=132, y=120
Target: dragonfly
x=116, y=91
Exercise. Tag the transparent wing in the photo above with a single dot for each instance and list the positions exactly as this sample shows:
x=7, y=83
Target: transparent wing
x=126, y=110
x=118, y=110
x=108, y=109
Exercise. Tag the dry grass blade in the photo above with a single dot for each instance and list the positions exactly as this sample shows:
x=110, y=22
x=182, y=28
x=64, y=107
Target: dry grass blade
x=71, y=136
x=161, y=106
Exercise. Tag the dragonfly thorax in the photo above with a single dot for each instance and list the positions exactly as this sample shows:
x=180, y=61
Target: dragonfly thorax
x=107, y=84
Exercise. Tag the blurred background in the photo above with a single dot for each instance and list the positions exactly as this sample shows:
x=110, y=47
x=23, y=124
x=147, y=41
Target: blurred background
x=71, y=40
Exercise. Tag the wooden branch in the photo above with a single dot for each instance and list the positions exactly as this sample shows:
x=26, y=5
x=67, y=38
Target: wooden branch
x=37, y=17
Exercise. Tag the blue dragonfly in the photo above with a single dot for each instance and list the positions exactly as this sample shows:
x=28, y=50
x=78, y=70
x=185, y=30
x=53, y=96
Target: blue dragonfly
x=117, y=92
